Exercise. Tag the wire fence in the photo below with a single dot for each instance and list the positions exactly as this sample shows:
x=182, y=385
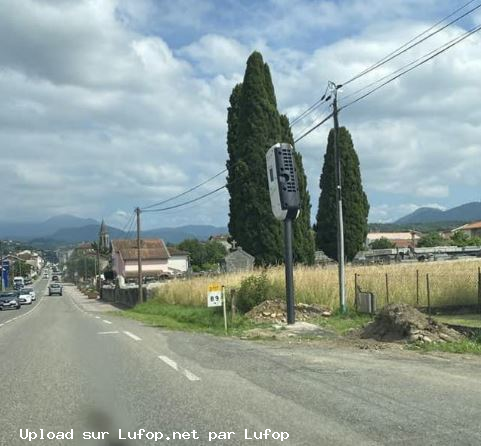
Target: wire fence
x=423, y=289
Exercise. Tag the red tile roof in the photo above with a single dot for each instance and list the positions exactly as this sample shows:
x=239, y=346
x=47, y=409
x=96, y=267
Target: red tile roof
x=475, y=225
x=150, y=249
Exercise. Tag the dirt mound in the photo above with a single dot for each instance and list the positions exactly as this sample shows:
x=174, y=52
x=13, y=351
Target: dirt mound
x=396, y=322
x=275, y=311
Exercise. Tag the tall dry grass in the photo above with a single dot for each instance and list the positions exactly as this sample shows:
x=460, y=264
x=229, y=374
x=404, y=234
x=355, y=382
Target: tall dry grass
x=450, y=283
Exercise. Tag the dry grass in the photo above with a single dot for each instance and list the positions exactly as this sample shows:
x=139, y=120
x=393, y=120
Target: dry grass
x=451, y=283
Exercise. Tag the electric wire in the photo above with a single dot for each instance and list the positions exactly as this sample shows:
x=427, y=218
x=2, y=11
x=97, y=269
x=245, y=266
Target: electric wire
x=437, y=53
x=414, y=42
x=393, y=54
x=186, y=202
x=185, y=192
x=407, y=65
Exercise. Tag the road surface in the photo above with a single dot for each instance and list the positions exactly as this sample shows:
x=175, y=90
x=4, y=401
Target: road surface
x=70, y=368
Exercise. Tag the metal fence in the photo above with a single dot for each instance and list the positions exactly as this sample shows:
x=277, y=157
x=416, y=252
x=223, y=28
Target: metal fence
x=426, y=290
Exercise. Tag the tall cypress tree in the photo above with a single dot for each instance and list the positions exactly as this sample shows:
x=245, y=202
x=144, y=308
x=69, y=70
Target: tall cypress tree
x=355, y=204
x=254, y=126
x=303, y=243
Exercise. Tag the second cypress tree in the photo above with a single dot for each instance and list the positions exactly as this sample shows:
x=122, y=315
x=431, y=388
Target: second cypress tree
x=355, y=205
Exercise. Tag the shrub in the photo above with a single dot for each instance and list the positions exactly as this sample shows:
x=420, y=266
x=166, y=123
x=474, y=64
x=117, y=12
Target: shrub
x=253, y=291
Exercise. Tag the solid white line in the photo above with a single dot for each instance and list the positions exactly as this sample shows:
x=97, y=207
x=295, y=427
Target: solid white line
x=169, y=362
x=107, y=322
x=107, y=332
x=134, y=337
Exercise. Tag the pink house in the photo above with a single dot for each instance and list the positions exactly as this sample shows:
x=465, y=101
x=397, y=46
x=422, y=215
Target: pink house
x=157, y=261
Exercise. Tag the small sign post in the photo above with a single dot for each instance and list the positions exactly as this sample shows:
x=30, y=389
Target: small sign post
x=216, y=298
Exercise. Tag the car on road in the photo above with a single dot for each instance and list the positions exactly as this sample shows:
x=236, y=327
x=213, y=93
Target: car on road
x=55, y=278
x=31, y=291
x=9, y=299
x=55, y=288
x=45, y=275
x=24, y=297
x=28, y=282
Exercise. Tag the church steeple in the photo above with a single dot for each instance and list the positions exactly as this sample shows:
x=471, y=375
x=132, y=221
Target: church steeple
x=104, y=239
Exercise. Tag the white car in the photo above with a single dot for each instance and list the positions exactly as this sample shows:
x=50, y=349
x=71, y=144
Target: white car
x=31, y=292
x=24, y=297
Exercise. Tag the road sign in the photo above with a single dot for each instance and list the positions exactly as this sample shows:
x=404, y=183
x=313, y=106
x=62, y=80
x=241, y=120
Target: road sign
x=214, y=295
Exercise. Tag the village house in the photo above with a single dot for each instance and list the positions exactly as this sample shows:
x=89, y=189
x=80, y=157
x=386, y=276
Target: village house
x=158, y=260
x=470, y=229
x=408, y=239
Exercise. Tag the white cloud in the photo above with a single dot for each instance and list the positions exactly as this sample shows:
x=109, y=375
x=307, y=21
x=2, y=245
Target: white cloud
x=101, y=113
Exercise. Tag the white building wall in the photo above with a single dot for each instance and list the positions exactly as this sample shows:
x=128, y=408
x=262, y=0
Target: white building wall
x=179, y=264
x=147, y=266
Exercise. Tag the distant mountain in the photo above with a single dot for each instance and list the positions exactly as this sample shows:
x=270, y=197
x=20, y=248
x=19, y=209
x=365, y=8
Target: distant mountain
x=68, y=229
x=26, y=231
x=465, y=213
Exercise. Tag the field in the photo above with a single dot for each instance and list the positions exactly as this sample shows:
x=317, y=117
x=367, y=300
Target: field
x=450, y=283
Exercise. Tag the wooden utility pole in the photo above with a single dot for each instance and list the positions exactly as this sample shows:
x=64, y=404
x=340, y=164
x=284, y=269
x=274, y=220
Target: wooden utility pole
x=139, y=256
x=340, y=220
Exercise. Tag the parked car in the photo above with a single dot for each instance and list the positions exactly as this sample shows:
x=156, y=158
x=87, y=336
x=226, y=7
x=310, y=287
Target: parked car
x=9, y=300
x=55, y=288
x=28, y=282
x=24, y=297
x=31, y=291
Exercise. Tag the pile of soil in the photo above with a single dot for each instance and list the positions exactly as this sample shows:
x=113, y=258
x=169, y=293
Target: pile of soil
x=275, y=311
x=401, y=322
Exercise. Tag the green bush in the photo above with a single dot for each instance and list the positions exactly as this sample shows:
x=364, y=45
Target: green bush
x=253, y=291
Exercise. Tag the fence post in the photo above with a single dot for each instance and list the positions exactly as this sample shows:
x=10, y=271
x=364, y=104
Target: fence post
x=417, y=287
x=355, y=290
x=233, y=306
x=387, y=289
x=479, y=289
x=428, y=293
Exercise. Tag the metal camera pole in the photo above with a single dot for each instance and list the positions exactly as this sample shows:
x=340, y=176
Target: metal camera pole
x=291, y=317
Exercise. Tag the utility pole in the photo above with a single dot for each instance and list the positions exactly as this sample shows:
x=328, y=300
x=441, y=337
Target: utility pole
x=139, y=256
x=1, y=266
x=340, y=222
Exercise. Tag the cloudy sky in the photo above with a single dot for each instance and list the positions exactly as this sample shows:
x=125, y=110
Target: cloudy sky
x=110, y=104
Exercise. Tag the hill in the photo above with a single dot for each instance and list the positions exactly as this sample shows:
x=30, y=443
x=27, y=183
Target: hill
x=464, y=213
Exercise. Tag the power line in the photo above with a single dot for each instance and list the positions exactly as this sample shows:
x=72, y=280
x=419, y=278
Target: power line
x=407, y=65
x=393, y=54
x=463, y=37
x=432, y=55
x=187, y=202
x=185, y=192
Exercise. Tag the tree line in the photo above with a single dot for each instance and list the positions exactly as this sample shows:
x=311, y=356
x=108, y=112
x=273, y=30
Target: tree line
x=254, y=124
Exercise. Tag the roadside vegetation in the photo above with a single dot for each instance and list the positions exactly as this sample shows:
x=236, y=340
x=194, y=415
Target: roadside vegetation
x=469, y=345
x=451, y=283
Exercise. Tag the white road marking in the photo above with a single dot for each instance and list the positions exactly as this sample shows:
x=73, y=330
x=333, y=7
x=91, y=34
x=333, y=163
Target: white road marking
x=107, y=322
x=171, y=363
x=107, y=332
x=190, y=376
x=131, y=335
x=1, y=325
x=97, y=317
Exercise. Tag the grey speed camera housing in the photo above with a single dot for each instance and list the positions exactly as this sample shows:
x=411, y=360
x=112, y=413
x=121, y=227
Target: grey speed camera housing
x=282, y=179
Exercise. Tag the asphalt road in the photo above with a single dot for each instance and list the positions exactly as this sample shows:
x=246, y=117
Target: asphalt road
x=63, y=369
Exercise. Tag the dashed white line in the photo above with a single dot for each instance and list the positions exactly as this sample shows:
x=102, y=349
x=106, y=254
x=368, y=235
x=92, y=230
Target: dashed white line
x=107, y=332
x=190, y=376
x=106, y=321
x=171, y=363
x=97, y=317
x=131, y=335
